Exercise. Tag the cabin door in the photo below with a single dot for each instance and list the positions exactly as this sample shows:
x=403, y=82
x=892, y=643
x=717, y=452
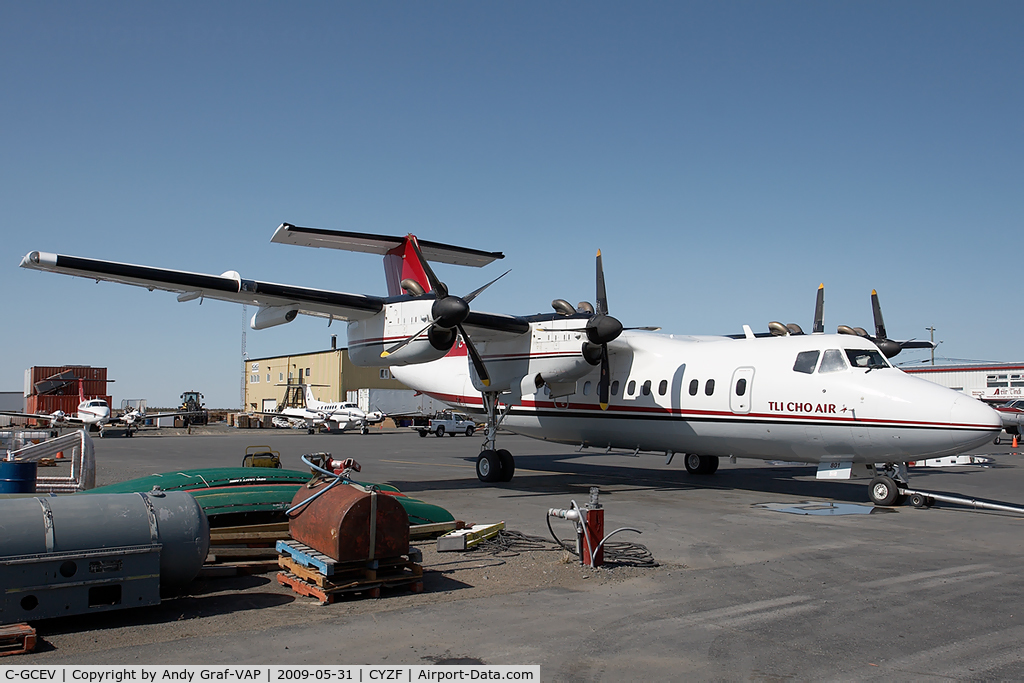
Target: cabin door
x=740, y=390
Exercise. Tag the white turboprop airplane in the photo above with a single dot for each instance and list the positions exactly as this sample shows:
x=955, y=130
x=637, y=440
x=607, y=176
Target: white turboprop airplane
x=133, y=418
x=315, y=413
x=342, y=415
x=91, y=412
x=577, y=377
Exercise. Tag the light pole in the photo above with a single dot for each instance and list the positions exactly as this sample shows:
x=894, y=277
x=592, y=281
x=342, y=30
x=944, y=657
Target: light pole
x=932, y=331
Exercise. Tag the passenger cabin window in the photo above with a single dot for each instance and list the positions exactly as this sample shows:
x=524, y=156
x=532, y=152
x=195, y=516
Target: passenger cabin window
x=694, y=386
x=871, y=359
x=615, y=388
x=805, y=362
x=741, y=386
x=832, y=361
x=631, y=387
x=662, y=387
x=586, y=388
x=646, y=388
x=709, y=387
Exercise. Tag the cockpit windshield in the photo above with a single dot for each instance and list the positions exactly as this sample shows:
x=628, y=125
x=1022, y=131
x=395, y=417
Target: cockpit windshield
x=870, y=359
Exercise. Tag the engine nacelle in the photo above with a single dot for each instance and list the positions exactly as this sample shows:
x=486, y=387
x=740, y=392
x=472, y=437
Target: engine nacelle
x=369, y=337
x=269, y=316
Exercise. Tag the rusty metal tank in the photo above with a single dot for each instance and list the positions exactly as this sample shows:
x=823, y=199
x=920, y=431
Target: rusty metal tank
x=349, y=523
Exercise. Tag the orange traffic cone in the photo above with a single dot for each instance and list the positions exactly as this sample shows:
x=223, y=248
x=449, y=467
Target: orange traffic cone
x=1014, y=441
x=59, y=456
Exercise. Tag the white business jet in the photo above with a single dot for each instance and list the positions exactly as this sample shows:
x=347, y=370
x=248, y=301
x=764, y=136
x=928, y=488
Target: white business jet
x=576, y=376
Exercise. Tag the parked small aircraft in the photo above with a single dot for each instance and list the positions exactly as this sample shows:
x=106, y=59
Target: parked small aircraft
x=577, y=376
x=91, y=412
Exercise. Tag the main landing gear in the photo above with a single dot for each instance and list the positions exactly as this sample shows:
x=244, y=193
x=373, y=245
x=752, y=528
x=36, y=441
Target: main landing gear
x=700, y=464
x=494, y=464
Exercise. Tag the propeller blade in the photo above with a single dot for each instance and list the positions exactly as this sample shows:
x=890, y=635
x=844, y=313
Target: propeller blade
x=876, y=311
x=440, y=290
x=405, y=342
x=472, y=295
x=478, y=362
x=602, y=297
x=819, y=311
x=604, y=381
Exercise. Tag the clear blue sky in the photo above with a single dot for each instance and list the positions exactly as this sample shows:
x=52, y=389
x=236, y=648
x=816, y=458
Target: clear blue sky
x=726, y=157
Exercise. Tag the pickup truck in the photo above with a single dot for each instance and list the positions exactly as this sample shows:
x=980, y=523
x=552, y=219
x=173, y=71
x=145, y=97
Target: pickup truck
x=448, y=423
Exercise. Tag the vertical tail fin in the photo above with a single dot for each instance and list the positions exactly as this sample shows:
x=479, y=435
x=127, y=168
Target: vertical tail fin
x=310, y=401
x=401, y=263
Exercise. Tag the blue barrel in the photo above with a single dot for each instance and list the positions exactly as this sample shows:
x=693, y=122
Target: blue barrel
x=17, y=477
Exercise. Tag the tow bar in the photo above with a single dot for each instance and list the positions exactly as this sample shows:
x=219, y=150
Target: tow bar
x=921, y=499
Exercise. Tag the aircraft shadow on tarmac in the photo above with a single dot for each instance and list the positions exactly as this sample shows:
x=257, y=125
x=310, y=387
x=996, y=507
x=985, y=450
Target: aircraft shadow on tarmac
x=565, y=473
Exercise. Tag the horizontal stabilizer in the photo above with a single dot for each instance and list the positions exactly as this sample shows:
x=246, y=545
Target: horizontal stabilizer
x=381, y=244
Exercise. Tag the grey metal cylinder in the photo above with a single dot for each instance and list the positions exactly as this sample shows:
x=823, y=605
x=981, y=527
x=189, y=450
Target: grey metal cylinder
x=173, y=519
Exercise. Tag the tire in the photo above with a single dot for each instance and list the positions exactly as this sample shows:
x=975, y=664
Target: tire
x=439, y=431
x=997, y=441
x=488, y=467
x=883, y=491
x=422, y=432
x=469, y=431
x=918, y=500
x=364, y=430
x=508, y=464
x=700, y=464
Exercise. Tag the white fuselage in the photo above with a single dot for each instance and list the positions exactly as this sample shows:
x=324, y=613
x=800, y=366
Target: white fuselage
x=718, y=396
x=342, y=415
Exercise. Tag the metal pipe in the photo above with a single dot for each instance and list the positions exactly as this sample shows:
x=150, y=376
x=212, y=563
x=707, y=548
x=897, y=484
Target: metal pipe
x=965, y=501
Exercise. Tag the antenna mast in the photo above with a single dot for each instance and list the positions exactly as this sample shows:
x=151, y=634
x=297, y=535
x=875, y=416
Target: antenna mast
x=245, y=356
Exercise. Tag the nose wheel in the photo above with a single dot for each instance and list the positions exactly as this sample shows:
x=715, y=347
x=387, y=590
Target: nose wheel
x=884, y=490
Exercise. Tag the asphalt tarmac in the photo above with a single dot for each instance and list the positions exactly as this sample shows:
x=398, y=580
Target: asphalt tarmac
x=744, y=590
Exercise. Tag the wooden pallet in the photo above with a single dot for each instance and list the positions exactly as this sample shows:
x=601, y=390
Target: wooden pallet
x=16, y=639
x=313, y=574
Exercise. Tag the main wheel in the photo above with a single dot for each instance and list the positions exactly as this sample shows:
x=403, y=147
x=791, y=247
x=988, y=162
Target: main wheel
x=488, y=466
x=469, y=431
x=508, y=464
x=440, y=430
x=883, y=491
x=364, y=430
x=700, y=464
x=997, y=441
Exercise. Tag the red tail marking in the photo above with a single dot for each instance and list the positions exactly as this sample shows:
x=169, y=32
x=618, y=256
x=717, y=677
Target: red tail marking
x=400, y=263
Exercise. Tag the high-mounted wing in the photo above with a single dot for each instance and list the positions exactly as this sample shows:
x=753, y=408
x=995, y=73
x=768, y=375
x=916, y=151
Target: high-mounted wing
x=229, y=286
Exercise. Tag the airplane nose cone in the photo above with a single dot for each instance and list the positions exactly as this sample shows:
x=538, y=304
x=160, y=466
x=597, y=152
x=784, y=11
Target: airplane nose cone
x=979, y=423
